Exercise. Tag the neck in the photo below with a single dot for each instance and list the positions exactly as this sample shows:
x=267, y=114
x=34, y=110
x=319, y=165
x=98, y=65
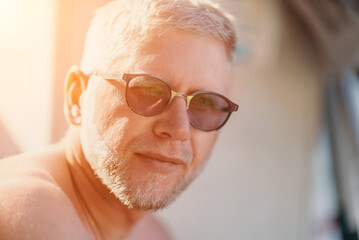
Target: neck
x=100, y=211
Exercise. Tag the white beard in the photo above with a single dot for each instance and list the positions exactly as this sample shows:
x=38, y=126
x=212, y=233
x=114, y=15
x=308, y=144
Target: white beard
x=113, y=172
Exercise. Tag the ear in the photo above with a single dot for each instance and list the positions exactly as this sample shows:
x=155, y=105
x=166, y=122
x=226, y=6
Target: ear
x=75, y=86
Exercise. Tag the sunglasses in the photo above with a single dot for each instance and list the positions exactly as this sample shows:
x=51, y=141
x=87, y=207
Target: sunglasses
x=148, y=95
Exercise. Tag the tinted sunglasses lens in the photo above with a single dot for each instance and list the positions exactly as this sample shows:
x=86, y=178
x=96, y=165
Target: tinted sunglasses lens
x=147, y=95
x=208, y=111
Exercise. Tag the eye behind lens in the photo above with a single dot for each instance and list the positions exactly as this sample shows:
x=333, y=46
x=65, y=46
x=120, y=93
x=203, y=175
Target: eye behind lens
x=208, y=111
x=147, y=95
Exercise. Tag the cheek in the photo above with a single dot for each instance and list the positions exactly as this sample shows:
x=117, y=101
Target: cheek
x=202, y=143
x=105, y=114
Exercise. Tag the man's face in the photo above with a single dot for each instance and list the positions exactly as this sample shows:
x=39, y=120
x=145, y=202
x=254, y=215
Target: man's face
x=147, y=161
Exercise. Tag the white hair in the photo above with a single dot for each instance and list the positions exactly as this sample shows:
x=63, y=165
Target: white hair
x=121, y=26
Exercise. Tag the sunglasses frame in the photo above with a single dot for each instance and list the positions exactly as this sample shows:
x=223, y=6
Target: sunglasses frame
x=127, y=77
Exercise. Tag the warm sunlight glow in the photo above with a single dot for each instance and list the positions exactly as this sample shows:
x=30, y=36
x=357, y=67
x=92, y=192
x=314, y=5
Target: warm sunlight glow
x=26, y=60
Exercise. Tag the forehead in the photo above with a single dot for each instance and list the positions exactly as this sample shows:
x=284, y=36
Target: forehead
x=188, y=61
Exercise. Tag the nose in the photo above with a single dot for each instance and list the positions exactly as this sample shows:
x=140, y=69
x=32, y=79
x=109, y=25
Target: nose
x=174, y=122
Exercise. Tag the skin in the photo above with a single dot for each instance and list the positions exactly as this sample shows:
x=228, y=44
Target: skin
x=68, y=192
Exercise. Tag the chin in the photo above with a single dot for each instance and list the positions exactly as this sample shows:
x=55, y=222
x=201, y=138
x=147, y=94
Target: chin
x=150, y=193
x=139, y=186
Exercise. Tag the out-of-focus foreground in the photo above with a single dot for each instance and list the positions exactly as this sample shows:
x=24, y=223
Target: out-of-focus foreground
x=285, y=166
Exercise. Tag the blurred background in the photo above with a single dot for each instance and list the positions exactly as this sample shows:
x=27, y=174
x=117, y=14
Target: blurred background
x=285, y=167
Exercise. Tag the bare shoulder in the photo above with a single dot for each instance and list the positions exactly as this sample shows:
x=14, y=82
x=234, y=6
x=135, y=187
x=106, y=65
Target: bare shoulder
x=33, y=206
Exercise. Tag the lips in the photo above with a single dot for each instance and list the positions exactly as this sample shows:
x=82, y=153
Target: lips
x=158, y=163
x=163, y=158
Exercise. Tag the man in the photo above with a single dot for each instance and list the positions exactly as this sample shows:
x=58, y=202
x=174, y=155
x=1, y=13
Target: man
x=145, y=108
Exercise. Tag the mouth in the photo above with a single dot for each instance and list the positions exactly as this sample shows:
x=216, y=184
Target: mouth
x=160, y=163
